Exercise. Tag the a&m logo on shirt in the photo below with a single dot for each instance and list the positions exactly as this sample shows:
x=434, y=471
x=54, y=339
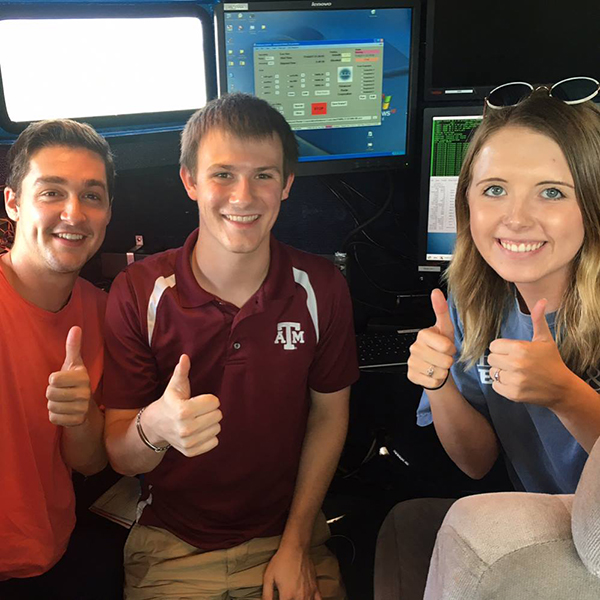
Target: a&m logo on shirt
x=289, y=334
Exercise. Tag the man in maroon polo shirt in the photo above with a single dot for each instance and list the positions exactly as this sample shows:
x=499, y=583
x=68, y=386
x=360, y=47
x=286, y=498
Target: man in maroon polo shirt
x=227, y=377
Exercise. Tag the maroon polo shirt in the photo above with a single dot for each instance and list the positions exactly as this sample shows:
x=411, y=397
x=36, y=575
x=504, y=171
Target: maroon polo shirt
x=294, y=334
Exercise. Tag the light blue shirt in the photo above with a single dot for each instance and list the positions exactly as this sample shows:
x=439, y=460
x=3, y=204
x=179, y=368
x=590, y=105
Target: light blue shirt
x=540, y=453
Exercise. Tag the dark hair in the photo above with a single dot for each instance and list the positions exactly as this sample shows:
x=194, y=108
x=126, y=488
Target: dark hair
x=241, y=115
x=56, y=132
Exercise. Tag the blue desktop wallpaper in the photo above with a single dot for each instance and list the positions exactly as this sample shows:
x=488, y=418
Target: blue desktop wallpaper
x=440, y=243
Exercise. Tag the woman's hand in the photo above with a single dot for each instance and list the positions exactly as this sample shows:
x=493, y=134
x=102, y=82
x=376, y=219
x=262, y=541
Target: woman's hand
x=432, y=354
x=531, y=372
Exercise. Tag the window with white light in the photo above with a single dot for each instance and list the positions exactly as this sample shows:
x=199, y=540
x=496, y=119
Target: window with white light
x=102, y=67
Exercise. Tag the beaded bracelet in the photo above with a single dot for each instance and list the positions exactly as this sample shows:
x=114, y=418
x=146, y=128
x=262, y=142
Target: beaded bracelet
x=138, y=424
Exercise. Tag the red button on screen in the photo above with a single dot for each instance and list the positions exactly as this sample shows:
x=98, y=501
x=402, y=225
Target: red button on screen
x=319, y=108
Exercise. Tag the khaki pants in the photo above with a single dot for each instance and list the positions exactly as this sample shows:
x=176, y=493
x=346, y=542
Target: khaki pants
x=159, y=565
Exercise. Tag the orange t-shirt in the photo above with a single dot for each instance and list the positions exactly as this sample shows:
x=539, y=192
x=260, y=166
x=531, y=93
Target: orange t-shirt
x=37, y=504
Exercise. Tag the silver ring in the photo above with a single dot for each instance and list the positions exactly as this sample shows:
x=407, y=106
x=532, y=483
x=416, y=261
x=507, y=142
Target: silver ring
x=430, y=371
x=497, y=376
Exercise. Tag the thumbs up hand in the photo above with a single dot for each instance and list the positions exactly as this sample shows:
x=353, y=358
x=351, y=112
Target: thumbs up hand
x=531, y=372
x=541, y=330
x=432, y=354
x=69, y=393
x=190, y=425
x=179, y=385
x=443, y=323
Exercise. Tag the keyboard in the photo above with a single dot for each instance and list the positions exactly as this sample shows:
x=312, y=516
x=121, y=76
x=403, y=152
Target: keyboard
x=378, y=349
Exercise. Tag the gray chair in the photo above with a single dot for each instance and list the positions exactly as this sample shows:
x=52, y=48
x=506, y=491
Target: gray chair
x=521, y=546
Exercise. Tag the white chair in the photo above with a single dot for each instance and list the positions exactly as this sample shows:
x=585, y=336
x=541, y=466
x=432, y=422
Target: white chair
x=521, y=546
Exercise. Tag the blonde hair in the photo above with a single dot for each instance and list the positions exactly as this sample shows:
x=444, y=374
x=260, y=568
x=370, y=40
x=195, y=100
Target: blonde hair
x=482, y=297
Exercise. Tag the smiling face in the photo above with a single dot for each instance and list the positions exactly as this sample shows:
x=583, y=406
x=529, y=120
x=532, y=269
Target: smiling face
x=62, y=210
x=524, y=216
x=239, y=186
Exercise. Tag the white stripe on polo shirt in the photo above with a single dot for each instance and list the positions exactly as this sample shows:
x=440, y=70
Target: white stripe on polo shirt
x=302, y=278
x=160, y=285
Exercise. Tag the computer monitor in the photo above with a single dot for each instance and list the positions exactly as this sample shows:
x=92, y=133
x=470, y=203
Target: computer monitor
x=473, y=46
x=446, y=134
x=342, y=72
x=121, y=66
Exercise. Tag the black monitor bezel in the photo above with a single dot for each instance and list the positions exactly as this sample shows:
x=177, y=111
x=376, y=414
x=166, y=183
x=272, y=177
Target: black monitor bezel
x=462, y=94
x=126, y=123
x=424, y=265
x=444, y=94
x=333, y=166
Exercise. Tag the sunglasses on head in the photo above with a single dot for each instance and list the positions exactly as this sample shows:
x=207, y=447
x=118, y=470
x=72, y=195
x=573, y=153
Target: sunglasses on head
x=574, y=90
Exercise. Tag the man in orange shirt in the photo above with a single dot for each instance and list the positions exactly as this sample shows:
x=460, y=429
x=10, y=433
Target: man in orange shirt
x=58, y=193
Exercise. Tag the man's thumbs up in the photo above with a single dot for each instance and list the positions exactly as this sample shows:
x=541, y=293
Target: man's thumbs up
x=443, y=322
x=69, y=393
x=179, y=384
x=541, y=330
x=189, y=424
x=73, y=350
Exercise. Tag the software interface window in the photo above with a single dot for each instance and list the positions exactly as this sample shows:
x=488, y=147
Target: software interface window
x=449, y=142
x=324, y=84
x=340, y=77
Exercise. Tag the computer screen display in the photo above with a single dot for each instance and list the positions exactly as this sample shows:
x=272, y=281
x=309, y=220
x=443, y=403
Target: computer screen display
x=120, y=64
x=341, y=72
x=445, y=141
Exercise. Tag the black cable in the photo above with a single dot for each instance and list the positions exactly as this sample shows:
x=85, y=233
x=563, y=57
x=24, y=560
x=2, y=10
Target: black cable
x=376, y=216
x=373, y=282
x=352, y=189
x=400, y=225
x=343, y=200
x=360, y=228
x=349, y=208
x=329, y=183
x=396, y=214
x=398, y=294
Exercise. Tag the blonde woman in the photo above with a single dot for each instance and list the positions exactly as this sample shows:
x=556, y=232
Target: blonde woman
x=512, y=362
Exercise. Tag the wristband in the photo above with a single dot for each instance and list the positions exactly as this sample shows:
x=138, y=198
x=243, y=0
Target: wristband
x=138, y=425
x=439, y=386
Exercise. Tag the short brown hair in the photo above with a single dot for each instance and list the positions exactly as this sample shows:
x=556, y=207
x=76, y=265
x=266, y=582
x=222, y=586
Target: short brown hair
x=241, y=115
x=56, y=132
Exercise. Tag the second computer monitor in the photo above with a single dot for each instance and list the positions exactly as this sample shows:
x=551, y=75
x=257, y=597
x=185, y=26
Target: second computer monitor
x=446, y=134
